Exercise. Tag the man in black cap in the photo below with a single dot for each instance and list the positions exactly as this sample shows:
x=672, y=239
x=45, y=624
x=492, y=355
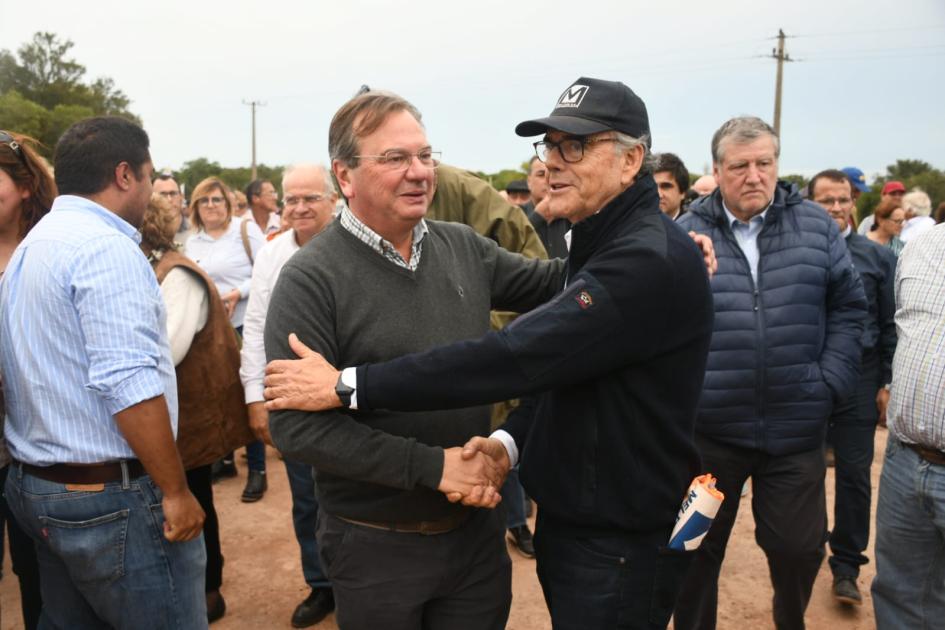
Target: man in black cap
x=618, y=356
x=517, y=190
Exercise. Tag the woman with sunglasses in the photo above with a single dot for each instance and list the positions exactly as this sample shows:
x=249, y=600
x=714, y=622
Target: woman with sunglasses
x=226, y=248
x=27, y=191
x=887, y=225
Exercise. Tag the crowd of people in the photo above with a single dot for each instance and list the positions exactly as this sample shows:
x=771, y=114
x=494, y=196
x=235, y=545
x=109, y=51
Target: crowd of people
x=429, y=355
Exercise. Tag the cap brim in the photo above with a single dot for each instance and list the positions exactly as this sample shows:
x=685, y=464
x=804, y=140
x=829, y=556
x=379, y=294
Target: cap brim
x=861, y=186
x=567, y=124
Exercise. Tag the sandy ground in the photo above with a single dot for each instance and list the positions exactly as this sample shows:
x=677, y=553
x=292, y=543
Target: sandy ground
x=263, y=581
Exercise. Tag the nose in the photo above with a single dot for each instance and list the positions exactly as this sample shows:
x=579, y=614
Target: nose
x=416, y=171
x=754, y=174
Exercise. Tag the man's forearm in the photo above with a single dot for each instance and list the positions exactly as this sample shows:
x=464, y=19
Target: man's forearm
x=147, y=428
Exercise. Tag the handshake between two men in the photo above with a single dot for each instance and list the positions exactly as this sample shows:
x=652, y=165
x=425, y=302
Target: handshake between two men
x=473, y=473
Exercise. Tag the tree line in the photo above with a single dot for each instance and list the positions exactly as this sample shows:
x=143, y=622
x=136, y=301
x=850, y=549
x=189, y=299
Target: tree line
x=43, y=90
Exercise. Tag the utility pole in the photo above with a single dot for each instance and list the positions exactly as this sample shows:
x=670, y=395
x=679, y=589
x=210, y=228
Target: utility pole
x=779, y=54
x=253, y=105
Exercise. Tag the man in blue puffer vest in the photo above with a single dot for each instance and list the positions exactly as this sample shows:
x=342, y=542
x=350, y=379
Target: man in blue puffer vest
x=789, y=313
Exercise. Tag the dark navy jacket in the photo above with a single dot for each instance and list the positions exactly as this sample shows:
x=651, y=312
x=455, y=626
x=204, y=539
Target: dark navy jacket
x=783, y=352
x=876, y=265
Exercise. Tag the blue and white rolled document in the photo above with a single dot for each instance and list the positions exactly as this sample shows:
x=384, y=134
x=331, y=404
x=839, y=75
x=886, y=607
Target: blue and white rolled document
x=696, y=514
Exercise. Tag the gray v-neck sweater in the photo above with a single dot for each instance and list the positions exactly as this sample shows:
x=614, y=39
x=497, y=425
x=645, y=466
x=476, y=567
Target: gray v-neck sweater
x=352, y=305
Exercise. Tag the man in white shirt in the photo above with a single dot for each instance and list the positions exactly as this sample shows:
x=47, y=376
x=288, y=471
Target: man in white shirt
x=262, y=198
x=309, y=196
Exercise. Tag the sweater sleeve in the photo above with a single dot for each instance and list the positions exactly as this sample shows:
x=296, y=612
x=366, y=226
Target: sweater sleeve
x=846, y=313
x=603, y=319
x=519, y=283
x=187, y=305
x=335, y=442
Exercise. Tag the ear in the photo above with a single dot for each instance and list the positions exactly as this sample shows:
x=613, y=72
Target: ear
x=342, y=174
x=632, y=163
x=716, y=172
x=124, y=176
x=24, y=193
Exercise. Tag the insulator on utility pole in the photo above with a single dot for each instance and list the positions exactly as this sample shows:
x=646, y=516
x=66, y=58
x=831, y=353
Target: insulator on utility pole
x=253, y=105
x=779, y=54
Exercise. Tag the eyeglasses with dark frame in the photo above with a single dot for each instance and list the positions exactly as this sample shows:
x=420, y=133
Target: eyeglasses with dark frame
x=397, y=160
x=571, y=150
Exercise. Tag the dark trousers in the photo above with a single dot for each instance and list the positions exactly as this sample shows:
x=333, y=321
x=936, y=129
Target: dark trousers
x=851, y=432
x=23, y=557
x=789, y=505
x=601, y=583
x=459, y=580
x=201, y=486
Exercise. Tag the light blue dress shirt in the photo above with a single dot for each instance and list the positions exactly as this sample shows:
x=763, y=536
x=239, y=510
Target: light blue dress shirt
x=82, y=336
x=746, y=235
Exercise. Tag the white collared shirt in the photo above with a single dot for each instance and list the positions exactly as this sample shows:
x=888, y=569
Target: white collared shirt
x=226, y=262
x=269, y=263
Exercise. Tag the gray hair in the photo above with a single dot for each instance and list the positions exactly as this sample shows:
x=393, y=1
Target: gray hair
x=326, y=173
x=625, y=144
x=742, y=130
x=918, y=203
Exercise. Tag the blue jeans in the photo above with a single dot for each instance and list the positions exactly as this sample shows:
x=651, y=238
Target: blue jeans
x=513, y=497
x=304, y=516
x=103, y=559
x=909, y=589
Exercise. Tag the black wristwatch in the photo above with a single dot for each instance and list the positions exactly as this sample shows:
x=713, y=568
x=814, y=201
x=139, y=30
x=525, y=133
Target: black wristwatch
x=344, y=392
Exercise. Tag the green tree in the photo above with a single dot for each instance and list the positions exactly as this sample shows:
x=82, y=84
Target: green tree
x=42, y=75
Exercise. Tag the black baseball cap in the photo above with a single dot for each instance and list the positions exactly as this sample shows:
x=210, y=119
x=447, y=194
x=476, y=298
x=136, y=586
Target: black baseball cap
x=590, y=106
x=517, y=186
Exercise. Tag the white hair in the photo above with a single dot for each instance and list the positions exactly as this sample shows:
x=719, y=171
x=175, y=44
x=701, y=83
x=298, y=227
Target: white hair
x=329, y=180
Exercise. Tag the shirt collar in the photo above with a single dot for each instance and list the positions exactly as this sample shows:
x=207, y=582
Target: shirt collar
x=375, y=240
x=74, y=202
x=847, y=231
x=733, y=220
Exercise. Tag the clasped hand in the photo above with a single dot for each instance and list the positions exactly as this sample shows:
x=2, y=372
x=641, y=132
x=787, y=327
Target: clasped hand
x=474, y=474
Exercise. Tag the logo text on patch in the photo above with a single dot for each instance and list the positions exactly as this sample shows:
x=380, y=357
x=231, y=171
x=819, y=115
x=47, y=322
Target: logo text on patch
x=584, y=300
x=573, y=96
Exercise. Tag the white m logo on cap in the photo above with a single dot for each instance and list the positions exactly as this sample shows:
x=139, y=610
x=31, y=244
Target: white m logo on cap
x=573, y=96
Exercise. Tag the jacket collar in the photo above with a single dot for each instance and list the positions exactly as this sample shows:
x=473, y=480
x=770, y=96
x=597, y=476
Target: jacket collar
x=640, y=198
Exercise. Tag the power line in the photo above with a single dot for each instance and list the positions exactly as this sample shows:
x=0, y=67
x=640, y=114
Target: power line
x=871, y=31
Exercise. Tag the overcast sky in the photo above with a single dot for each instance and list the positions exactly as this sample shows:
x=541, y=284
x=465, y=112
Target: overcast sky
x=868, y=87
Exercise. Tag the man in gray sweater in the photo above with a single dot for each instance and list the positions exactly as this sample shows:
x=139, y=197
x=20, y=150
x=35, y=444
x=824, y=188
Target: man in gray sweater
x=377, y=283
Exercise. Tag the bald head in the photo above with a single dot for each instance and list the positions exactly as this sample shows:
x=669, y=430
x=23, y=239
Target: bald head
x=705, y=185
x=309, y=195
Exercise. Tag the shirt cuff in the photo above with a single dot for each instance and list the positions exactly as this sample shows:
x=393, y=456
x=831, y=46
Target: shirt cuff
x=349, y=376
x=509, y=443
x=254, y=392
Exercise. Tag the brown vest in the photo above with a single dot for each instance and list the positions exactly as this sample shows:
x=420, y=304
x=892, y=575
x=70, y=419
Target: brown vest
x=213, y=419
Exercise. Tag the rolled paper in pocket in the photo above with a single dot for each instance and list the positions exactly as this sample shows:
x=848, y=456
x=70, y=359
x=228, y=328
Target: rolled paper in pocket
x=696, y=514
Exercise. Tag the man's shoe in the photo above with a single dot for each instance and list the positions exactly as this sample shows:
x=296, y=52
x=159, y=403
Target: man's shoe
x=314, y=608
x=222, y=469
x=216, y=606
x=845, y=591
x=256, y=485
x=522, y=538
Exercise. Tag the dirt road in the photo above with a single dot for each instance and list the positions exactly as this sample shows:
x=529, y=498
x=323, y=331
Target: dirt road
x=263, y=580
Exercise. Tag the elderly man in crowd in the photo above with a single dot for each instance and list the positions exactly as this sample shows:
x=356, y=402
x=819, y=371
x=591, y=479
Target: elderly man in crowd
x=309, y=198
x=618, y=355
x=377, y=283
x=785, y=349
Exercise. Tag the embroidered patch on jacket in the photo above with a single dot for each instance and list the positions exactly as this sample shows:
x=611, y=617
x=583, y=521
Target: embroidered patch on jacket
x=584, y=300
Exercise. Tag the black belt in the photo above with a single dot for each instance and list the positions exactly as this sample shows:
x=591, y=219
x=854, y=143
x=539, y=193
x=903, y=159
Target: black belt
x=81, y=474
x=931, y=455
x=441, y=526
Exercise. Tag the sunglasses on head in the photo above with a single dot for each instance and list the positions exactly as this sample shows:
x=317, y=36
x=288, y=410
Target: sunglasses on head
x=8, y=140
